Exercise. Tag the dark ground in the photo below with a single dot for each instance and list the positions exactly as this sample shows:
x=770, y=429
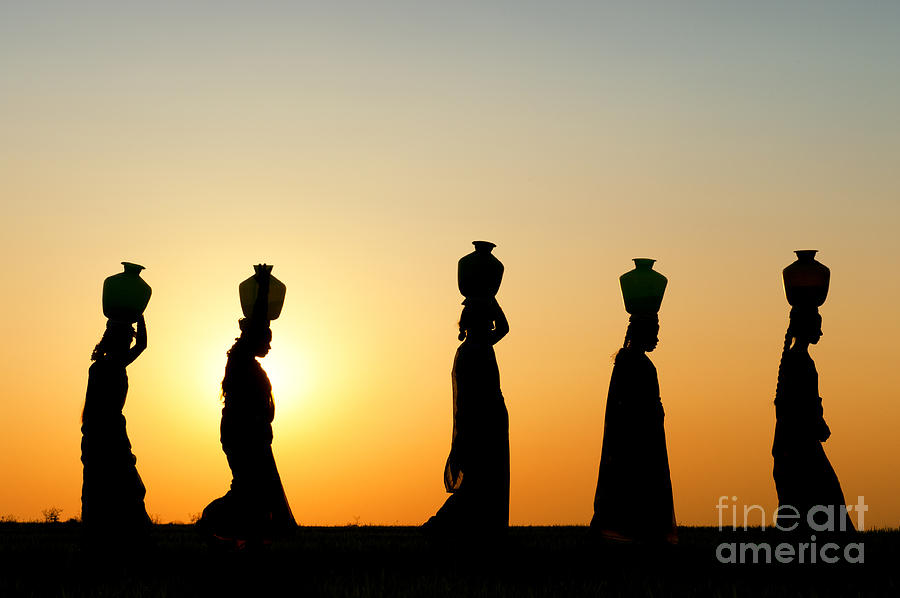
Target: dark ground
x=41, y=559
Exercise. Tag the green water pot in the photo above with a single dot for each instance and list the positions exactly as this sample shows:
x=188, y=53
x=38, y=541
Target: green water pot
x=479, y=273
x=643, y=288
x=806, y=280
x=249, y=290
x=126, y=294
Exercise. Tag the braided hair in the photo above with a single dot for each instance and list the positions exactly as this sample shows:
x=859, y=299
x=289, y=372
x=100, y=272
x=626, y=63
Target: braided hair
x=788, y=339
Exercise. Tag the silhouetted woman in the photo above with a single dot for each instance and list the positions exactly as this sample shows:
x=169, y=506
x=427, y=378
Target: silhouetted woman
x=255, y=509
x=634, y=488
x=803, y=475
x=112, y=494
x=477, y=469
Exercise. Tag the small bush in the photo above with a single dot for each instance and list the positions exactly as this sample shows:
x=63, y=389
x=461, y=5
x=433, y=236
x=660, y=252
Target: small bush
x=52, y=514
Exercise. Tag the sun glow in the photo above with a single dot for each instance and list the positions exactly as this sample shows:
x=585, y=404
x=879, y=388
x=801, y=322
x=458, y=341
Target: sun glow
x=288, y=369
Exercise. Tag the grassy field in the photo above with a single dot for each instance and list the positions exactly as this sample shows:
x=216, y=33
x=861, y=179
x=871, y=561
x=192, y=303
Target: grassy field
x=47, y=559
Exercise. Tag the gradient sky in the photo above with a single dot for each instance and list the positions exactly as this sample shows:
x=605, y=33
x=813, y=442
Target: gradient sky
x=360, y=147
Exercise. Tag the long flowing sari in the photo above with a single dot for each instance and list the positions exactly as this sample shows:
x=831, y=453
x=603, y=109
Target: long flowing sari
x=804, y=478
x=634, y=488
x=477, y=469
x=112, y=493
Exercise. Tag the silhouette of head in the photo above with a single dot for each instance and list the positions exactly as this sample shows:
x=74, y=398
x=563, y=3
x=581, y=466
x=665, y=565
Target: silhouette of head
x=642, y=333
x=115, y=342
x=476, y=320
x=806, y=325
x=257, y=339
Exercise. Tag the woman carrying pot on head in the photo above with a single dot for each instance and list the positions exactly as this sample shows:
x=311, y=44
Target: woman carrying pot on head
x=477, y=470
x=633, y=501
x=804, y=478
x=255, y=510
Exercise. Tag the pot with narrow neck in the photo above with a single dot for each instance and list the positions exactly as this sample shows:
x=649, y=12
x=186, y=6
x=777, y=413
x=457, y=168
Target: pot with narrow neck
x=126, y=294
x=806, y=280
x=479, y=273
x=249, y=290
x=643, y=288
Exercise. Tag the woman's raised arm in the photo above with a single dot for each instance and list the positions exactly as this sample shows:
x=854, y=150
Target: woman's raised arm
x=261, y=306
x=501, y=325
x=140, y=341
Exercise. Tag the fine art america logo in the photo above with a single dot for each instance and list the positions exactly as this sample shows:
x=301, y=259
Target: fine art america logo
x=825, y=519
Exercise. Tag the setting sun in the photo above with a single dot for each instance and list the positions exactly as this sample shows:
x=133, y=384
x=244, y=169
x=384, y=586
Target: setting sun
x=289, y=371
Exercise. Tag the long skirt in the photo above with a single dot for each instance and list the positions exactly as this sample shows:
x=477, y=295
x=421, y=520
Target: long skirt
x=480, y=457
x=255, y=508
x=112, y=493
x=805, y=480
x=633, y=500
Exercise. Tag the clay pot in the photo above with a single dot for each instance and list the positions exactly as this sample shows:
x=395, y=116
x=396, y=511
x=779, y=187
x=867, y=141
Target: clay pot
x=249, y=289
x=480, y=272
x=643, y=288
x=806, y=280
x=126, y=294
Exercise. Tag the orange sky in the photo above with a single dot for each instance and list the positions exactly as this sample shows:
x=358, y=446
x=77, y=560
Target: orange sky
x=362, y=154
